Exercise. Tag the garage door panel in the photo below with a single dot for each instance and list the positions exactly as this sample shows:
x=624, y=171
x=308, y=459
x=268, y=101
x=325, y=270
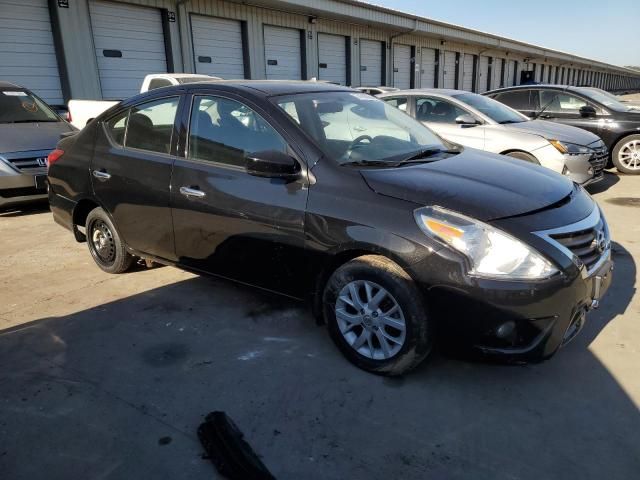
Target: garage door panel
x=427, y=67
x=283, y=56
x=27, y=52
x=449, y=70
x=484, y=74
x=332, y=58
x=134, y=31
x=371, y=62
x=467, y=72
x=402, y=66
x=220, y=41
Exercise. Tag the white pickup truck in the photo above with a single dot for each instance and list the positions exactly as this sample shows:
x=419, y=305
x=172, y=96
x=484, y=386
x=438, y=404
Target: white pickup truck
x=82, y=112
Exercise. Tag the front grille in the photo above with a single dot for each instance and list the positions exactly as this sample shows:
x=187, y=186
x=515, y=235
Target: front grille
x=28, y=163
x=588, y=245
x=598, y=160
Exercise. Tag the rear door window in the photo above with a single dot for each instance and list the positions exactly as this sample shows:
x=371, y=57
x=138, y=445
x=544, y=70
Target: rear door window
x=150, y=125
x=516, y=99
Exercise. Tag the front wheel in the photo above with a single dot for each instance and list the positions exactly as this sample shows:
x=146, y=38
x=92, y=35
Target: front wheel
x=376, y=315
x=105, y=245
x=626, y=155
x=524, y=156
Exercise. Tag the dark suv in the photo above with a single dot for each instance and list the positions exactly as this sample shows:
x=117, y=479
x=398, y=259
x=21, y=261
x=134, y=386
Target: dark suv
x=616, y=123
x=323, y=193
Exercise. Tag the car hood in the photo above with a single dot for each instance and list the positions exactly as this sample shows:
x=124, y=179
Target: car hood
x=21, y=137
x=475, y=183
x=555, y=131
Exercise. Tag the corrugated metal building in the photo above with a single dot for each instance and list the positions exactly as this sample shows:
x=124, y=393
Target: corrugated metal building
x=96, y=49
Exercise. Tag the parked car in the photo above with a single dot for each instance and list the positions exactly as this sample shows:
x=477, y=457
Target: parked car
x=480, y=122
x=81, y=112
x=616, y=123
x=391, y=240
x=29, y=130
x=376, y=90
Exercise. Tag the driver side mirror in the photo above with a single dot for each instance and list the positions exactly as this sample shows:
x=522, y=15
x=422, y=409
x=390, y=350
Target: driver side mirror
x=272, y=164
x=466, y=120
x=587, y=111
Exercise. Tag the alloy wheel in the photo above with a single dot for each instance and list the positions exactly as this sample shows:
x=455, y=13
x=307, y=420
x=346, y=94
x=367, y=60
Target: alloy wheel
x=370, y=320
x=629, y=155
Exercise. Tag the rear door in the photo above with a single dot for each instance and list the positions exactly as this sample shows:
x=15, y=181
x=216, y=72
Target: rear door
x=230, y=223
x=131, y=173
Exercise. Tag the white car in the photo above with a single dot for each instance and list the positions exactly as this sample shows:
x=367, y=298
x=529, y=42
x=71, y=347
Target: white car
x=81, y=112
x=480, y=122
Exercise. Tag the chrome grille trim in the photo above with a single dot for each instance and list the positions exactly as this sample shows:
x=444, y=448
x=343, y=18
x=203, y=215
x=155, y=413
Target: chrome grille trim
x=576, y=241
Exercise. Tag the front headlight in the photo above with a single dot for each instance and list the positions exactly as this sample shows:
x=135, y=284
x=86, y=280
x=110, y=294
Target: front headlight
x=491, y=252
x=570, y=148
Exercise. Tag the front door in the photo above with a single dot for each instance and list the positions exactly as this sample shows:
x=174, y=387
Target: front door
x=131, y=173
x=230, y=223
x=440, y=116
x=564, y=107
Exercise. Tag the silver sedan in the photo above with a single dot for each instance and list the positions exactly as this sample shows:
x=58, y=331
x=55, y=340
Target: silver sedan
x=480, y=122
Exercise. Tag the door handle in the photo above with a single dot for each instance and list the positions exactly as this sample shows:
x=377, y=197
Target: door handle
x=192, y=192
x=101, y=175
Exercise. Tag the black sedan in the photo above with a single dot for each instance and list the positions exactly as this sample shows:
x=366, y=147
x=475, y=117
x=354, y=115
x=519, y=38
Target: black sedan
x=330, y=195
x=616, y=123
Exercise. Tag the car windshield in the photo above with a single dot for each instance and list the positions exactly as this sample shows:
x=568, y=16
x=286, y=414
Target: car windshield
x=19, y=106
x=604, y=98
x=353, y=127
x=496, y=111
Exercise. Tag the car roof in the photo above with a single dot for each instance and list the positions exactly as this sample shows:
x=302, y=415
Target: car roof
x=545, y=86
x=429, y=91
x=274, y=87
x=4, y=84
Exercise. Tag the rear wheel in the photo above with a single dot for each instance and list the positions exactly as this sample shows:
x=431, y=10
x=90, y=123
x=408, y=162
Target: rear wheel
x=376, y=316
x=105, y=245
x=626, y=155
x=524, y=156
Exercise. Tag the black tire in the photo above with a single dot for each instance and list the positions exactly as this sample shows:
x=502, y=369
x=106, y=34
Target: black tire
x=615, y=155
x=112, y=257
x=418, y=340
x=527, y=157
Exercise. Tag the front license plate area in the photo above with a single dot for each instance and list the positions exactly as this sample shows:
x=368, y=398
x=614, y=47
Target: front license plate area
x=41, y=182
x=601, y=280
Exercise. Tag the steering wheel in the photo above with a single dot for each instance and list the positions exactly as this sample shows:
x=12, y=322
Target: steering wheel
x=357, y=142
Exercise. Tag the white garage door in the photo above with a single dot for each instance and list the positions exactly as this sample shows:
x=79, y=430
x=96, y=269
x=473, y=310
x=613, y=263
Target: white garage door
x=496, y=73
x=217, y=46
x=370, y=63
x=402, y=66
x=552, y=74
x=129, y=44
x=27, y=54
x=282, y=53
x=332, y=58
x=484, y=74
x=428, y=68
x=467, y=72
x=449, y=70
x=518, y=73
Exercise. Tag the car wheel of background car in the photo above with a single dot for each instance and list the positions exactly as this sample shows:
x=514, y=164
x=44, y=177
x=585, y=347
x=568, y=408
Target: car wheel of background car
x=377, y=316
x=105, y=244
x=524, y=156
x=626, y=155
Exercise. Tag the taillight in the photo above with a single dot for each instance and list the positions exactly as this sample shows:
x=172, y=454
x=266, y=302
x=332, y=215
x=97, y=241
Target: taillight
x=68, y=117
x=54, y=156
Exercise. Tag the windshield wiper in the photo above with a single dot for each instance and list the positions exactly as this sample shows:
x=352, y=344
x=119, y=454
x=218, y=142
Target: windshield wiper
x=30, y=121
x=504, y=122
x=371, y=163
x=424, y=155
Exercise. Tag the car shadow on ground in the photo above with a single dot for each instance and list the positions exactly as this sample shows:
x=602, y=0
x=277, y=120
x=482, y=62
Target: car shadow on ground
x=609, y=180
x=27, y=209
x=117, y=391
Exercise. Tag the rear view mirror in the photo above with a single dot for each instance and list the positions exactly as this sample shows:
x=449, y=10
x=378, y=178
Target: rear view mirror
x=328, y=107
x=466, y=119
x=587, y=111
x=272, y=164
